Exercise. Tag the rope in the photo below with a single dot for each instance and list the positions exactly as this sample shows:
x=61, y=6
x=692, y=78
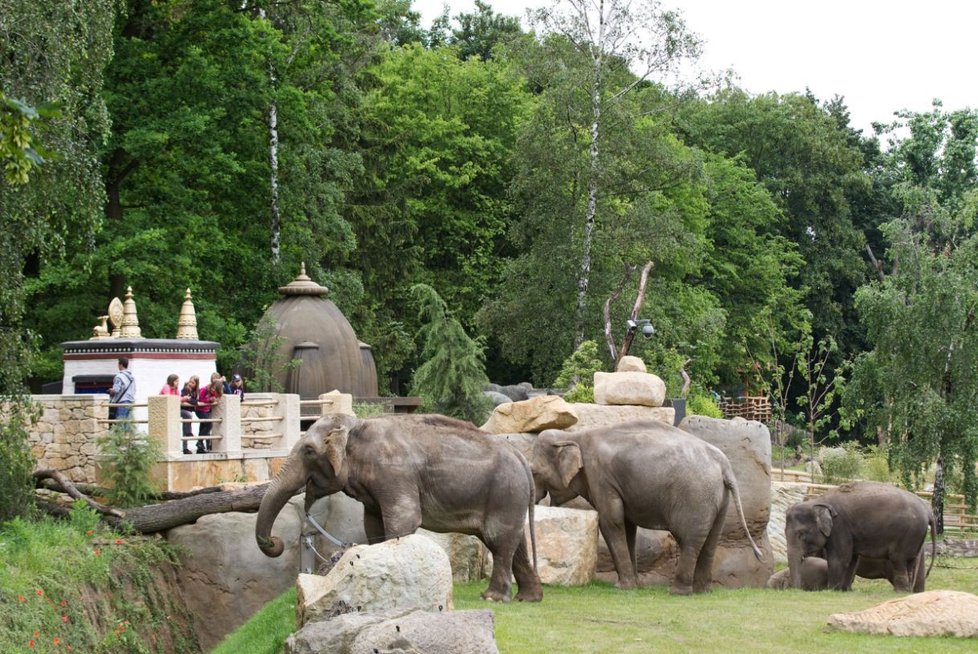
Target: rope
x=325, y=533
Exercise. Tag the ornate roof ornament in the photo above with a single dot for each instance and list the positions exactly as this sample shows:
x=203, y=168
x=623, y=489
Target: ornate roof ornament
x=116, y=311
x=302, y=285
x=187, y=322
x=130, y=322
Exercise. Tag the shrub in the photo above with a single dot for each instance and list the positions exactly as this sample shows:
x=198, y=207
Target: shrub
x=842, y=463
x=876, y=464
x=130, y=456
x=577, y=373
x=16, y=470
x=701, y=403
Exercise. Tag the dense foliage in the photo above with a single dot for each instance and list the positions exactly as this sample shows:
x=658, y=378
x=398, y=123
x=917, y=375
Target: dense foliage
x=517, y=175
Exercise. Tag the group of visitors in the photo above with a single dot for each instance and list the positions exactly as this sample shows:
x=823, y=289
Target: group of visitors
x=200, y=401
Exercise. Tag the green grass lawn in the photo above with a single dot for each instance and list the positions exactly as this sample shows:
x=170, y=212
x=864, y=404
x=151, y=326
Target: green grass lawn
x=599, y=619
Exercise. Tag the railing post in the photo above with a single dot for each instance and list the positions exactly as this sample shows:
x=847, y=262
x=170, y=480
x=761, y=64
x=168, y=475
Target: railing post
x=334, y=402
x=289, y=408
x=229, y=429
x=164, y=422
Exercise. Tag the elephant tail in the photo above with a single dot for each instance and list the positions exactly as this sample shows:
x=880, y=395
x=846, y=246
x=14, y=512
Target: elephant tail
x=532, y=503
x=730, y=482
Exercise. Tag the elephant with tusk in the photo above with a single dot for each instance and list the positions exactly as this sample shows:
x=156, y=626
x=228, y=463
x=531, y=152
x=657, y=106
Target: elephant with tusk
x=414, y=471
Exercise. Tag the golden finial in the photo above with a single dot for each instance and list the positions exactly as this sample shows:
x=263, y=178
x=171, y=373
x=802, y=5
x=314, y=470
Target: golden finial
x=130, y=322
x=187, y=322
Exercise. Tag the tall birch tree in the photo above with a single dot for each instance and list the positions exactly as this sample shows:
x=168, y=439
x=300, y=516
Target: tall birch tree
x=638, y=34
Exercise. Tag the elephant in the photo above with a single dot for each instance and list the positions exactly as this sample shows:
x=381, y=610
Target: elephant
x=414, y=471
x=815, y=573
x=862, y=520
x=643, y=474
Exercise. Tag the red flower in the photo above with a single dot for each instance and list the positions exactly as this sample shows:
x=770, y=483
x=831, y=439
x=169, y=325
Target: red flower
x=36, y=634
x=57, y=640
x=98, y=551
x=21, y=598
x=64, y=602
x=118, y=541
x=30, y=643
x=40, y=592
x=88, y=533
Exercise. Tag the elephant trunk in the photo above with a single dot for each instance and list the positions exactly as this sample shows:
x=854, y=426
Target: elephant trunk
x=795, y=558
x=288, y=481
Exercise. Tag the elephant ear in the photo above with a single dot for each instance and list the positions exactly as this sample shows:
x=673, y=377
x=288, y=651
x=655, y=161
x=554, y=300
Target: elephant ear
x=823, y=518
x=569, y=461
x=335, y=446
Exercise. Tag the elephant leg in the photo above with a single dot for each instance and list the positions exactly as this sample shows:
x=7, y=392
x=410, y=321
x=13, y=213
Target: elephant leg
x=689, y=550
x=373, y=527
x=401, y=518
x=703, y=573
x=902, y=574
x=527, y=578
x=611, y=522
x=503, y=549
x=630, y=531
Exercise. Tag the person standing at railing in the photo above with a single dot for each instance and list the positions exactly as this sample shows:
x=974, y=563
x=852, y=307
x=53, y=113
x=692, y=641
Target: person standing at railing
x=172, y=382
x=188, y=405
x=235, y=387
x=123, y=391
x=210, y=395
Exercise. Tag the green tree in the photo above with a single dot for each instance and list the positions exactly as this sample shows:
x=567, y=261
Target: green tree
x=452, y=375
x=189, y=173
x=916, y=386
x=51, y=53
x=430, y=206
x=603, y=36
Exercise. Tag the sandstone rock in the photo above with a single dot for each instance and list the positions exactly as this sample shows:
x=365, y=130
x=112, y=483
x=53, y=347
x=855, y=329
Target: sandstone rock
x=411, y=572
x=784, y=495
x=448, y=632
x=598, y=415
x=567, y=545
x=533, y=415
x=226, y=578
x=931, y=613
x=467, y=555
x=630, y=364
x=657, y=554
x=617, y=388
x=747, y=445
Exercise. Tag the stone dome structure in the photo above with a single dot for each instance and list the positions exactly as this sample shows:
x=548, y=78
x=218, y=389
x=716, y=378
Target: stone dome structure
x=313, y=331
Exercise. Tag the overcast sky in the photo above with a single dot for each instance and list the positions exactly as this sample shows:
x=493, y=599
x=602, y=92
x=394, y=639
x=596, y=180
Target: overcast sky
x=881, y=55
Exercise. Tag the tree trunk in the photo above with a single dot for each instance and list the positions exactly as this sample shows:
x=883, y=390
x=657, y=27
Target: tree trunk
x=584, y=275
x=937, y=499
x=160, y=517
x=276, y=218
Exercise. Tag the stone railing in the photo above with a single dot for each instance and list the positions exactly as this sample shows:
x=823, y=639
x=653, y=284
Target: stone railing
x=249, y=439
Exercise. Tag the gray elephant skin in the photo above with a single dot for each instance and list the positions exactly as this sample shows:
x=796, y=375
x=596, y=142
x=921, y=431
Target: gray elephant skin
x=863, y=519
x=415, y=471
x=644, y=474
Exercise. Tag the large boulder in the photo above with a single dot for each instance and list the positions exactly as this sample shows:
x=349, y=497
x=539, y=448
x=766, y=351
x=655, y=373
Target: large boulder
x=403, y=631
x=629, y=363
x=747, y=445
x=533, y=415
x=468, y=556
x=640, y=388
x=601, y=415
x=931, y=613
x=567, y=545
x=784, y=495
x=411, y=572
x=225, y=578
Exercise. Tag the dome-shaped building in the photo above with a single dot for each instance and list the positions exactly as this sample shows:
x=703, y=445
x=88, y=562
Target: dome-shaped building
x=314, y=333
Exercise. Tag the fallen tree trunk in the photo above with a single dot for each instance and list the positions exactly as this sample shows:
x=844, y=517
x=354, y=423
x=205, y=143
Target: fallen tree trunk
x=153, y=518
x=160, y=517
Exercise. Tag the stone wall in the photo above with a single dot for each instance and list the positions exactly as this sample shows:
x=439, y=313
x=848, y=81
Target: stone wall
x=64, y=437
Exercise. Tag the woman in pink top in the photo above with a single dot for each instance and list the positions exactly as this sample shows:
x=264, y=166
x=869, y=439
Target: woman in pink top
x=171, y=386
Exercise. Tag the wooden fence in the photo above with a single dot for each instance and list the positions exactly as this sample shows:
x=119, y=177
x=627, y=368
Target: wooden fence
x=956, y=516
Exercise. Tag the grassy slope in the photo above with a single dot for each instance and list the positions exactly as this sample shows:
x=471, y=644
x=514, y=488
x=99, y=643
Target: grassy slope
x=599, y=619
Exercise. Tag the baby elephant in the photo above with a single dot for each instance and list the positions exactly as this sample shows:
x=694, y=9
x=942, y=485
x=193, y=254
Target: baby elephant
x=644, y=474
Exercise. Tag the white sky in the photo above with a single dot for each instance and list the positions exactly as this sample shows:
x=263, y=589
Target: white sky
x=880, y=55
